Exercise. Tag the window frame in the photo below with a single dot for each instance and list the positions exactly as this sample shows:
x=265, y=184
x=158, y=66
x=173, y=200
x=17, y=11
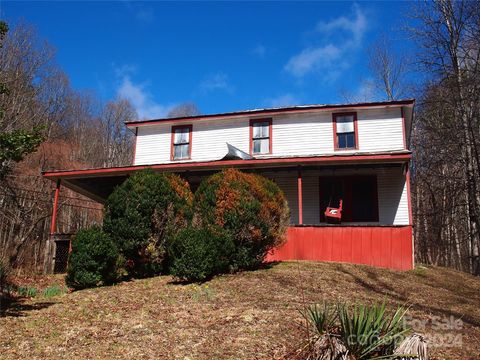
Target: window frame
x=260, y=120
x=355, y=129
x=172, y=144
x=347, y=196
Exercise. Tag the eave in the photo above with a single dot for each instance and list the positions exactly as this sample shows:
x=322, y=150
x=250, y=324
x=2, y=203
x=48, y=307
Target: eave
x=275, y=111
x=98, y=183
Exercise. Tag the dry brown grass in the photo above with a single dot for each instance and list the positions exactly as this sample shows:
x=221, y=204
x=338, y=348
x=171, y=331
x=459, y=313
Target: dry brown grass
x=251, y=315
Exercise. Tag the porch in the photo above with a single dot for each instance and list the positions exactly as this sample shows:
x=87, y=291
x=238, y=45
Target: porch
x=376, y=226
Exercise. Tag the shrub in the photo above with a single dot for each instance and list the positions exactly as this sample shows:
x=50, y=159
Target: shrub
x=142, y=213
x=199, y=253
x=251, y=208
x=93, y=261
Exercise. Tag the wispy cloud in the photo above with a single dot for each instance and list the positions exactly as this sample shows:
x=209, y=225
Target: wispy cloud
x=215, y=82
x=137, y=93
x=338, y=39
x=259, y=51
x=282, y=101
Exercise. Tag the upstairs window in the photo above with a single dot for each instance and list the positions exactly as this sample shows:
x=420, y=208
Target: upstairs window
x=181, y=142
x=345, y=128
x=261, y=136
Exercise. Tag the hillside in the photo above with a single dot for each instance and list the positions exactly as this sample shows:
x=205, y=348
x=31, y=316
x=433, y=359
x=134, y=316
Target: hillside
x=252, y=315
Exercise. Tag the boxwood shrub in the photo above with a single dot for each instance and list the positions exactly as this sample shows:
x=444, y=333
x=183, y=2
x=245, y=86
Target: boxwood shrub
x=249, y=207
x=199, y=253
x=94, y=260
x=142, y=213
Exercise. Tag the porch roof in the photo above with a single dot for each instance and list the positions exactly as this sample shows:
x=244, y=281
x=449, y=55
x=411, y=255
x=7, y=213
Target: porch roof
x=98, y=183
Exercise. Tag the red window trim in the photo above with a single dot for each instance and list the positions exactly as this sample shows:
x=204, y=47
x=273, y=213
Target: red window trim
x=189, y=127
x=253, y=121
x=355, y=128
x=135, y=146
x=352, y=179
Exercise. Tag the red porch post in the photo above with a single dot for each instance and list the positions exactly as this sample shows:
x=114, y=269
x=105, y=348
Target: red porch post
x=300, y=197
x=53, y=224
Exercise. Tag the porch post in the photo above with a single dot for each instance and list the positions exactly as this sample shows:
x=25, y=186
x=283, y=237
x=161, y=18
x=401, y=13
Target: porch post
x=53, y=224
x=410, y=212
x=300, y=197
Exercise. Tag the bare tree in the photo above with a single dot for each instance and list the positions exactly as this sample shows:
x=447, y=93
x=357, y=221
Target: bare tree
x=448, y=127
x=388, y=68
x=117, y=140
x=183, y=110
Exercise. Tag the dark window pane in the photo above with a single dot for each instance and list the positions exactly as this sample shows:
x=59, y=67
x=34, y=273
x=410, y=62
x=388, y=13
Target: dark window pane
x=364, y=199
x=346, y=140
x=351, y=140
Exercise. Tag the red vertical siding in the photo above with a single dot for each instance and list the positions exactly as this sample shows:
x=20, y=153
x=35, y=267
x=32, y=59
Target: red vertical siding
x=387, y=247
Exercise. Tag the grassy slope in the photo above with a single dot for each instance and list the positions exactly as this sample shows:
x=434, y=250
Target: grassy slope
x=252, y=315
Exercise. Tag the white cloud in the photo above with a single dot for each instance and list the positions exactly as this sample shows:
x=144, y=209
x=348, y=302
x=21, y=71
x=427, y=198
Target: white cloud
x=217, y=81
x=310, y=58
x=356, y=26
x=259, y=51
x=339, y=39
x=142, y=99
x=282, y=101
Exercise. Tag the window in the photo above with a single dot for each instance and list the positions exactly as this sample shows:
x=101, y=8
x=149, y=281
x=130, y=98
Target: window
x=261, y=136
x=181, y=142
x=345, y=128
x=358, y=193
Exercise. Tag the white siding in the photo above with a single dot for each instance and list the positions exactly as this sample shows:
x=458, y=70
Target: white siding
x=380, y=129
x=307, y=134
x=392, y=197
x=292, y=135
x=392, y=193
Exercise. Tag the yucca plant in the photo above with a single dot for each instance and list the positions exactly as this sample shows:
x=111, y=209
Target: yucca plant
x=321, y=317
x=369, y=332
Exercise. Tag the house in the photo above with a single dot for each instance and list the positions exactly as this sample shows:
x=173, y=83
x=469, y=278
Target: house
x=319, y=155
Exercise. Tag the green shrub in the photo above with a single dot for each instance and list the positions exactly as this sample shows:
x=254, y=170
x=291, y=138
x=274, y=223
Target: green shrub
x=54, y=290
x=251, y=208
x=93, y=261
x=200, y=253
x=142, y=213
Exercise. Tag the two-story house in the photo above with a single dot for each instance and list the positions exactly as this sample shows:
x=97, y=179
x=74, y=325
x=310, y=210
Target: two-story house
x=319, y=155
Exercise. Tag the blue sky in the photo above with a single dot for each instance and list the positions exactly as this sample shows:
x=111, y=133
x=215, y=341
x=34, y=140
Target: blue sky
x=222, y=56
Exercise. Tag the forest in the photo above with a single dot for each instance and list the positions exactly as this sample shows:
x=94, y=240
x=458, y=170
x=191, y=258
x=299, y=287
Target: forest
x=46, y=124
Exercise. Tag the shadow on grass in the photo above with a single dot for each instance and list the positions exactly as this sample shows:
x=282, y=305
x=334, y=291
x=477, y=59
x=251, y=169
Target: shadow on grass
x=17, y=307
x=263, y=266
x=387, y=290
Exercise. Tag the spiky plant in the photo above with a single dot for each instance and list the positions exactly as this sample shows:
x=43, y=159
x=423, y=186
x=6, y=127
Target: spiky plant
x=321, y=318
x=370, y=332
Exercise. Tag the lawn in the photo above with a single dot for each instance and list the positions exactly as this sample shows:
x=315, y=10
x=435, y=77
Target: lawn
x=251, y=315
